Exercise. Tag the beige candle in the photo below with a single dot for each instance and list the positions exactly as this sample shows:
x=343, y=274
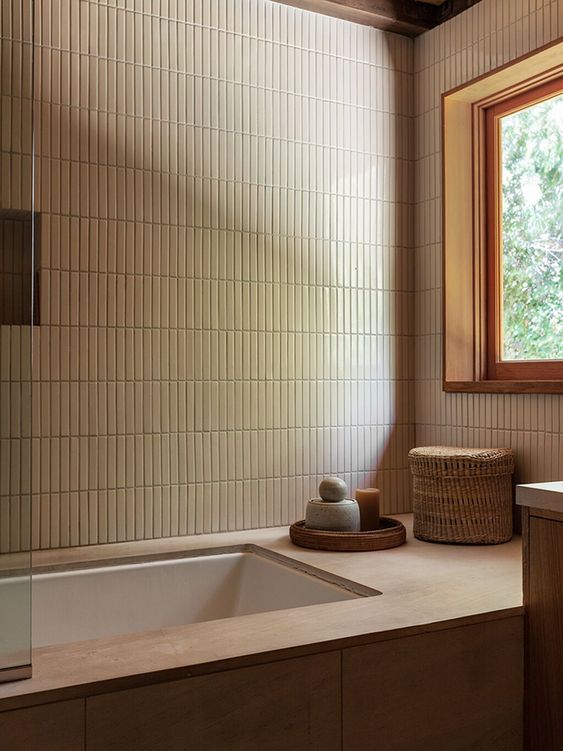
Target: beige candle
x=368, y=501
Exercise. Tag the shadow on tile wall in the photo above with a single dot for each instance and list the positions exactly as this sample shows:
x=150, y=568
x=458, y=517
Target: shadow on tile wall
x=226, y=269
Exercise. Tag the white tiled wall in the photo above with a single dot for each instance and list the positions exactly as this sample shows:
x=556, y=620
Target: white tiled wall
x=227, y=284
x=226, y=271
x=490, y=34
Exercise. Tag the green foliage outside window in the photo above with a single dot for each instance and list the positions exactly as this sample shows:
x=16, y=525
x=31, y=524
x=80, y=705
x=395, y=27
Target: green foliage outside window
x=532, y=274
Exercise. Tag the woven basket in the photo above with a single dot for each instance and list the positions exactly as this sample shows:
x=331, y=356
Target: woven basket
x=462, y=495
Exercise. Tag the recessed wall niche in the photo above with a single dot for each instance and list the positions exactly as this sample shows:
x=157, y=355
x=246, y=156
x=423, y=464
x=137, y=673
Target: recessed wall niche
x=18, y=268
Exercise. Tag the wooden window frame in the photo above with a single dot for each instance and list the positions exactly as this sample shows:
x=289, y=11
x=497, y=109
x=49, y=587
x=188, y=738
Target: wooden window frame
x=471, y=230
x=498, y=369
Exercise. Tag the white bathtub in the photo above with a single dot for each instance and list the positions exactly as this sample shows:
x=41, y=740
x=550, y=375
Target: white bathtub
x=130, y=595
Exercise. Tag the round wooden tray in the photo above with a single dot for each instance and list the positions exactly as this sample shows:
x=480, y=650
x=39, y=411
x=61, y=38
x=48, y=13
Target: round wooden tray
x=391, y=534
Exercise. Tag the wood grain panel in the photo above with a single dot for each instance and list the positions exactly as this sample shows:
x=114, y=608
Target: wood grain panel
x=399, y=16
x=455, y=690
x=408, y=17
x=292, y=705
x=50, y=727
x=544, y=513
x=504, y=387
x=543, y=599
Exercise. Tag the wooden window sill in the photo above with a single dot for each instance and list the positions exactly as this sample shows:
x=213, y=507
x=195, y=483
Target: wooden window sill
x=504, y=387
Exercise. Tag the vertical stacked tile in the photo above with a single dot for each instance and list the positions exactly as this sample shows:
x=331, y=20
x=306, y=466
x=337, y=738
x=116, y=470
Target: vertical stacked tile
x=15, y=272
x=225, y=190
x=488, y=35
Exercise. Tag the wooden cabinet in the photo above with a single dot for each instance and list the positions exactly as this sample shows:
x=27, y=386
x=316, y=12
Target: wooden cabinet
x=49, y=727
x=459, y=689
x=290, y=705
x=543, y=600
x=455, y=689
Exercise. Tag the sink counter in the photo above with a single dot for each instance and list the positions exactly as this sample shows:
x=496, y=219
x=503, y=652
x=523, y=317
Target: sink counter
x=547, y=496
x=426, y=587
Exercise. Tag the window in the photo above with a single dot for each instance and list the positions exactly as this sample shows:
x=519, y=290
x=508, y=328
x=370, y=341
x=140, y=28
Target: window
x=503, y=228
x=524, y=169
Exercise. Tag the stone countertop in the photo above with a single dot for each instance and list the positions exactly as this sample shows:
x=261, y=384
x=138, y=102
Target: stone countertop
x=424, y=587
x=547, y=496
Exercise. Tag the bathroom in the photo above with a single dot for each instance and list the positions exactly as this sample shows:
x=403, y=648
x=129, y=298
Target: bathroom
x=245, y=248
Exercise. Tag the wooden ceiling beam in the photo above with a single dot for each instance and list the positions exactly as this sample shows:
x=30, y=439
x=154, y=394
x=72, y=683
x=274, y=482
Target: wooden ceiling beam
x=401, y=16
x=451, y=8
x=407, y=17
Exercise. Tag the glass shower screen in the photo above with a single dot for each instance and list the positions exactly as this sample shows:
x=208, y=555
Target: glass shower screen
x=17, y=315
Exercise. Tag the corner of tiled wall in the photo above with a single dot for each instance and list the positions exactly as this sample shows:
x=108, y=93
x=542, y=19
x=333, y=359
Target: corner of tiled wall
x=491, y=33
x=240, y=270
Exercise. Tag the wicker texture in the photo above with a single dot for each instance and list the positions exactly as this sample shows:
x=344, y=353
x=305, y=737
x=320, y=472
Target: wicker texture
x=462, y=495
x=391, y=534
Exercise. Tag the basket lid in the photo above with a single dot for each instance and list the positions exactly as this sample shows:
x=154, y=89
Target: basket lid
x=458, y=460
x=460, y=453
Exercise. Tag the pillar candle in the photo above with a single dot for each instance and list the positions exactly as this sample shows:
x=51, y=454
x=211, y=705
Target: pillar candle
x=368, y=501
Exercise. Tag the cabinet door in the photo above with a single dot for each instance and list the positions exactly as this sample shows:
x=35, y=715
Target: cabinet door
x=460, y=689
x=289, y=705
x=50, y=727
x=544, y=608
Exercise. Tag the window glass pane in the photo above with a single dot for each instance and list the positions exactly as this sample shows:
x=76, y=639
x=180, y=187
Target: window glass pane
x=532, y=232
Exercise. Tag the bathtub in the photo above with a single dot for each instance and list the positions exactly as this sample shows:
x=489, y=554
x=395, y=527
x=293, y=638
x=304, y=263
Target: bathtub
x=96, y=600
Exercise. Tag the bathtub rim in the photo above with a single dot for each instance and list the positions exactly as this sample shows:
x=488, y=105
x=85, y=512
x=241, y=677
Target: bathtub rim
x=360, y=590
x=24, y=672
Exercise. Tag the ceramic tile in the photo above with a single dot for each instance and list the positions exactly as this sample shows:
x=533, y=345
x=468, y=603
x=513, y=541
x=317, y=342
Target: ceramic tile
x=503, y=32
x=232, y=305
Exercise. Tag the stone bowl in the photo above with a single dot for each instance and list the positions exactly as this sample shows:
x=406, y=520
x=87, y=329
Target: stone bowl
x=335, y=516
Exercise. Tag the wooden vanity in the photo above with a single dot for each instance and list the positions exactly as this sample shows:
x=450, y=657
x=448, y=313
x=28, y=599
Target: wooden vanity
x=435, y=662
x=542, y=529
